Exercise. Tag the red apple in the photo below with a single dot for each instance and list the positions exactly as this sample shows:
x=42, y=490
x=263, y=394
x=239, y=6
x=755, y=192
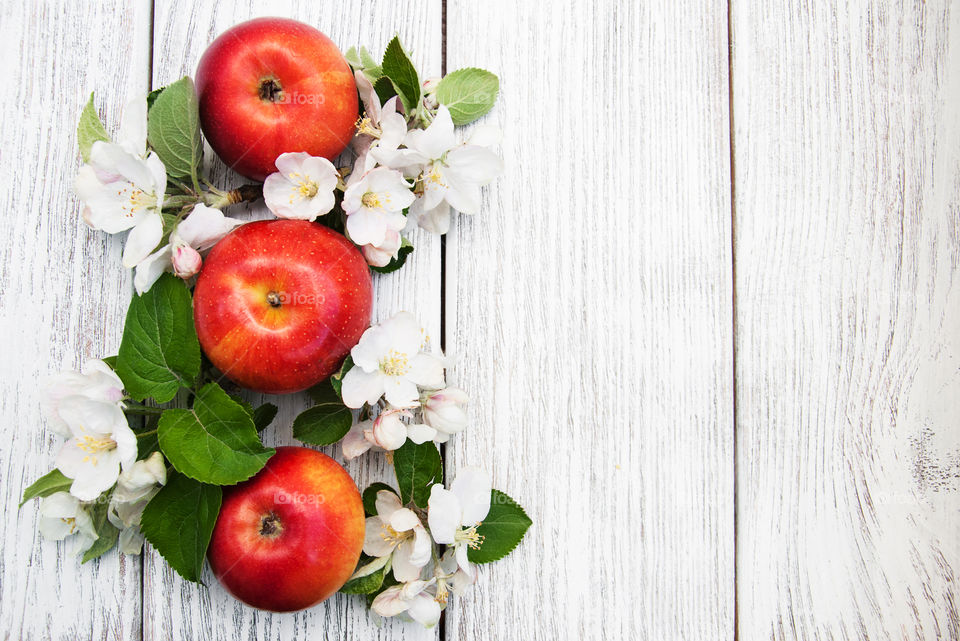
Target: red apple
x=291, y=536
x=279, y=304
x=274, y=85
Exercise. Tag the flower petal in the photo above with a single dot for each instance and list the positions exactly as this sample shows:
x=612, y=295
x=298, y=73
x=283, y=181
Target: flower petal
x=361, y=387
x=151, y=268
x=374, y=544
x=472, y=487
x=143, y=239
x=443, y=514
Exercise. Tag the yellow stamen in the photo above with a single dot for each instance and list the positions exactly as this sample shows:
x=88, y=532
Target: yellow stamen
x=395, y=364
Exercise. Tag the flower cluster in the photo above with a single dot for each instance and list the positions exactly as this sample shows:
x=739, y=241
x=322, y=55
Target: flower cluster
x=98, y=460
x=397, y=539
x=395, y=373
x=400, y=169
x=123, y=187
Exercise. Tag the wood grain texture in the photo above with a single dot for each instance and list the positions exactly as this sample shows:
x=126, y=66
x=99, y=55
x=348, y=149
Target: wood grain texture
x=847, y=162
x=174, y=608
x=65, y=294
x=588, y=306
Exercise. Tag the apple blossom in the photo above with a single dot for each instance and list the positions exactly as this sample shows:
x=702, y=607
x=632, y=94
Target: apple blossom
x=135, y=487
x=302, y=188
x=123, y=186
x=444, y=411
x=388, y=362
x=381, y=255
x=96, y=381
x=451, y=175
x=452, y=575
x=63, y=515
x=101, y=443
x=374, y=205
x=186, y=261
x=454, y=514
x=200, y=230
x=411, y=599
x=397, y=530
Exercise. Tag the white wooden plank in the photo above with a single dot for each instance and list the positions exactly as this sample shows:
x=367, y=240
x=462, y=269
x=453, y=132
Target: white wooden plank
x=65, y=294
x=589, y=308
x=174, y=608
x=847, y=126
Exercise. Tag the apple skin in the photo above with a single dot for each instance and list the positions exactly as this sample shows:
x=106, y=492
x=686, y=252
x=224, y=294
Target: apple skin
x=291, y=536
x=279, y=304
x=275, y=85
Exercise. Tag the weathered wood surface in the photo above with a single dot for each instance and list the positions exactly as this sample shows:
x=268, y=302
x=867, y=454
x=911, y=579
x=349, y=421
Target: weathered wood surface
x=64, y=294
x=588, y=306
x=847, y=164
x=589, y=310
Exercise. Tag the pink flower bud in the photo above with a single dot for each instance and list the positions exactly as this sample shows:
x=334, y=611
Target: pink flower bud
x=186, y=261
x=445, y=410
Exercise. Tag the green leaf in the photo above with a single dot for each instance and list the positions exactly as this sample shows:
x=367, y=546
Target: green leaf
x=215, y=442
x=417, y=467
x=336, y=381
x=173, y=129
x=90, y=129
x=159, y=349
x=370, y=497
x=406, y=248
x=326, y=422
x=179, y=521
x=107, y=532
x=264, y=415
x=371, y=572
x=50, y=483
x=384, y=88
x=367, y=60
x=468, y=93
x=397, y=66
x=111, y=362
x=152, y=97
x=353, y=58
x=388, y=582
x=502, y=530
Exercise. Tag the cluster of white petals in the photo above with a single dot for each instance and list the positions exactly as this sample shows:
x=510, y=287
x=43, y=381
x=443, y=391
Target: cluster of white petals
x=393, y=362
x=123, y=188
x=397, y=538
x=100, y=454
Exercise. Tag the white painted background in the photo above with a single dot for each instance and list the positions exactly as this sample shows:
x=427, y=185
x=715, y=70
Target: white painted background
x=710, y=315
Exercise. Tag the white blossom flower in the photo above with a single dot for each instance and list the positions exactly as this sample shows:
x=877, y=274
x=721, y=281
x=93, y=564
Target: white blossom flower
x=454, y=514
x=451, y=575
x=355, y=442
x=411, y=599
x=97, y=382
x=374, y=204
x=101, y=443
x=135, y=487
x=123, y=186
x=202, y=228
x=444, y=411
x=63, y=515
x=302, y=188
x=388, y=362
x=381, y=255
x=452, y=174
x=386, y=148
x=388, y=432
x=398, y=531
